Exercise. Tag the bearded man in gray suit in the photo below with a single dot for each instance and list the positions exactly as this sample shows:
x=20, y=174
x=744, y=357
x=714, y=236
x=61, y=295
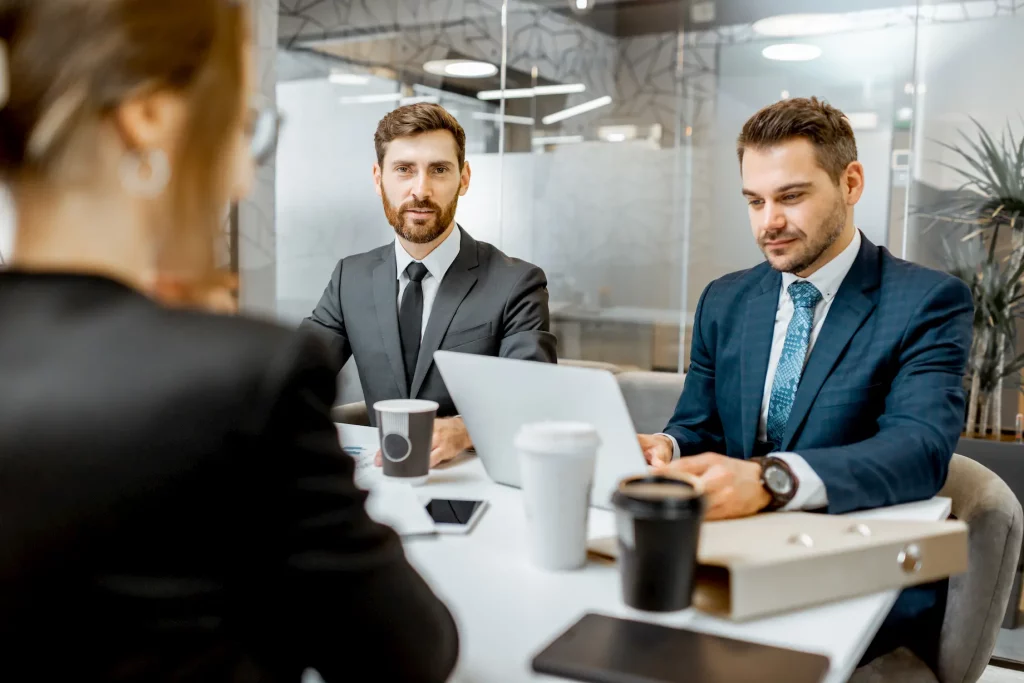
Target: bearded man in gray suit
x=434, y=287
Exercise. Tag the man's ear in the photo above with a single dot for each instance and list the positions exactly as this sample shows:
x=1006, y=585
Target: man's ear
x=377, y=180
x=853, y=179
x=467, y=174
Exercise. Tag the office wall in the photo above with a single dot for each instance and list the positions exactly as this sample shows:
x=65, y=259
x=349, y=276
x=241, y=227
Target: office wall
x=326, y=205
x=256, y=244
x=622, y=249
x=638, y=224
x=966, y=70
x=7, y=225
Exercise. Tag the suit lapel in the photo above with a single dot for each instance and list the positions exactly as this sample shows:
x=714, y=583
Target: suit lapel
x=758, y=329
x=853, y=304
x=385, y=300
x=455, y=286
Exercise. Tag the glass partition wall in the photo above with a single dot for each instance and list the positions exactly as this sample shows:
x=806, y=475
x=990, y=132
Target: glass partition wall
x=601, y=135
x=576, y=127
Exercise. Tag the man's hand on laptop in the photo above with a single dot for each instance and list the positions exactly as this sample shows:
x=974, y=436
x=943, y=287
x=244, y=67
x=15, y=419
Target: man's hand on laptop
x=657, y=449
x=450, y=439
x=732, y=487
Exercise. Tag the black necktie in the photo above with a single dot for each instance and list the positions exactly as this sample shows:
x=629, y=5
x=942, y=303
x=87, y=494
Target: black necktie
x=410, y=318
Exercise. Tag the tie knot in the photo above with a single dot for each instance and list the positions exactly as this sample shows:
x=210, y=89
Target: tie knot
x=416, y=271
x=804, y=295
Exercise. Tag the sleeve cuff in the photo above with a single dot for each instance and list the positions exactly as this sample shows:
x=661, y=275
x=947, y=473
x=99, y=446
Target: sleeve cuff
x=811, y=493
x=675, y=445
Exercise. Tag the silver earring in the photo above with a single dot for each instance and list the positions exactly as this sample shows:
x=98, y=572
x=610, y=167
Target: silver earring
x=145, y=173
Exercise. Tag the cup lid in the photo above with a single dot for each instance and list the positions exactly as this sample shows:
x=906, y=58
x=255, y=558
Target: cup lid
x=557, y=436
x=406, y=405
x=656, y=496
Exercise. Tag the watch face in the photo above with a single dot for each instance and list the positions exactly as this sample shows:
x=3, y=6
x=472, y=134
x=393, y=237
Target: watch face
x=778, y=480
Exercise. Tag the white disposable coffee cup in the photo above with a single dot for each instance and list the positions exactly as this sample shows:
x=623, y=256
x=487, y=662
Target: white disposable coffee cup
x=556, y=466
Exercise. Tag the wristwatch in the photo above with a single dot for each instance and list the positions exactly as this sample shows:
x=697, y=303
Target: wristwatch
x=778, y=480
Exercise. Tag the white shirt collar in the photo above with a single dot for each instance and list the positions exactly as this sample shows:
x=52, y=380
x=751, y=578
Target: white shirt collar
x=438, y=261
x=830, y=276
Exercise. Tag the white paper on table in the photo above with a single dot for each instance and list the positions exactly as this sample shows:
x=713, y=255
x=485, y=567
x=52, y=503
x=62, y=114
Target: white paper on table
x=366, y=475
x=400, y=507
x=392, y=503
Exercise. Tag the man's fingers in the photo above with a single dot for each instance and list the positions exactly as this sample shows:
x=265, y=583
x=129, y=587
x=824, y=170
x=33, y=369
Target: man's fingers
x=657, y=456
x=436, y=457
x=696, y=465
x=716, y=478
x=653, y=449
x=441, y=455
x=378, y=459
x=716, y=512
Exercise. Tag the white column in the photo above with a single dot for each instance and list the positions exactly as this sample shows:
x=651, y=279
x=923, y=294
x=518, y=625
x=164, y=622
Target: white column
x=256, y=225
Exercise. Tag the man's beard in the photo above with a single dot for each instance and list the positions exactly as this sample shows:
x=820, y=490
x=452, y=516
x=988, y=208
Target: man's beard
x=830, y=230
x=420, y=230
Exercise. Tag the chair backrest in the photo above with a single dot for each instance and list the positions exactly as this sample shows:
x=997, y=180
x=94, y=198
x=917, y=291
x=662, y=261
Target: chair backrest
x=592, y=364
x=651, y=398
x=977, y=599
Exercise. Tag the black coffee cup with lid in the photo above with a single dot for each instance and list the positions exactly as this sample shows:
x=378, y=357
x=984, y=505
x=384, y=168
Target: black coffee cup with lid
x=658, y=525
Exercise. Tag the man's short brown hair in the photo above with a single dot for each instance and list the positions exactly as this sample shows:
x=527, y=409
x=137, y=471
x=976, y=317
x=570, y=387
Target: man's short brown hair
x=415, y=119
x=815, y=120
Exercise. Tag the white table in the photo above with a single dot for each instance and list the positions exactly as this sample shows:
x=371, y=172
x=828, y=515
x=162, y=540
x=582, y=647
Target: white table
x=507, y=611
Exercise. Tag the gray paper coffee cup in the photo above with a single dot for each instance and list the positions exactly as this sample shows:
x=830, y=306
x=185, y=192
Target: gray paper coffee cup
x=406, y=428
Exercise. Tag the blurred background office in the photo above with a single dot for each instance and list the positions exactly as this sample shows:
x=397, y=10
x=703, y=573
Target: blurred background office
x=609, y=159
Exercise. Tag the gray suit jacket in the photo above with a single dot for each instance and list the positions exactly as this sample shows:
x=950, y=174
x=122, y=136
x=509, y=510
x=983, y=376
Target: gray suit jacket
x=488, y=303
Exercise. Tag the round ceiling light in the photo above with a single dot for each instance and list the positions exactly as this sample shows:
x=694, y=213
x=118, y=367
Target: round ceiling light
x=791, y=52
x=460, y=68
x=793, y=25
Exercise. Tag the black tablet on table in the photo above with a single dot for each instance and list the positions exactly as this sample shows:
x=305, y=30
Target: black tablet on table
x=603, y=649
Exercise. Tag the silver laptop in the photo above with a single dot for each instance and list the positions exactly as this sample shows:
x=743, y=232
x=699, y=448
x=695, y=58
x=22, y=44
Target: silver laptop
x=496, y=396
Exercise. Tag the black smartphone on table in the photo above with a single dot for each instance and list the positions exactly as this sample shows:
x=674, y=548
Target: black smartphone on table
x=452, y=516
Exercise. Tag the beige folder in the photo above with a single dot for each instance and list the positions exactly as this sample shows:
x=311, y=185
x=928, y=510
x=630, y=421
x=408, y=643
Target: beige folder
x=777, y=562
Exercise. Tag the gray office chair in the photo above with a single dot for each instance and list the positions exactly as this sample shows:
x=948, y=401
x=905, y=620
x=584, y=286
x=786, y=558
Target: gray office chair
x=977, y=599
x=651, y=398
x=351, y=414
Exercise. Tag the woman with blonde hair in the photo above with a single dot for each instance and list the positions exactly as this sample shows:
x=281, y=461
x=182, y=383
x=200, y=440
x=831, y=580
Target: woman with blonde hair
x=174, y=504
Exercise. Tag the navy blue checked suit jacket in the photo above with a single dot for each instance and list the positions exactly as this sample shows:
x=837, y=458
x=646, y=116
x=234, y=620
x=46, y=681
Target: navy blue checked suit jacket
x=881, y=402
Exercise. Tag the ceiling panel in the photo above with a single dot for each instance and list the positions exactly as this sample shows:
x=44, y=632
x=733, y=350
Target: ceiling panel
x=643, y=17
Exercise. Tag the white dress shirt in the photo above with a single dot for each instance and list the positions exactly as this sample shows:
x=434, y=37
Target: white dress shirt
x=437, y=262
x=811, y=493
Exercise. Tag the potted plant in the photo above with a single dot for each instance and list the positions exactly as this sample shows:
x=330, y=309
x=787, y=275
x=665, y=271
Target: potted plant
x=983, y=245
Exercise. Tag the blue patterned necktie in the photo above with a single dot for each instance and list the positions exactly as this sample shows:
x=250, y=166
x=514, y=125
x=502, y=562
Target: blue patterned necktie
x=805, y=297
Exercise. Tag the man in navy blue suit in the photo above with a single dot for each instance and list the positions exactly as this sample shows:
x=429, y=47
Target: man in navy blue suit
x=829, y=377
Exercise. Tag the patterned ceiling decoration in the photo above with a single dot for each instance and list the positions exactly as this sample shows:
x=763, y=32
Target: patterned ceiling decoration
x=314, y=19
x=643, y=75
x=667, y=78
x=930, y=13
